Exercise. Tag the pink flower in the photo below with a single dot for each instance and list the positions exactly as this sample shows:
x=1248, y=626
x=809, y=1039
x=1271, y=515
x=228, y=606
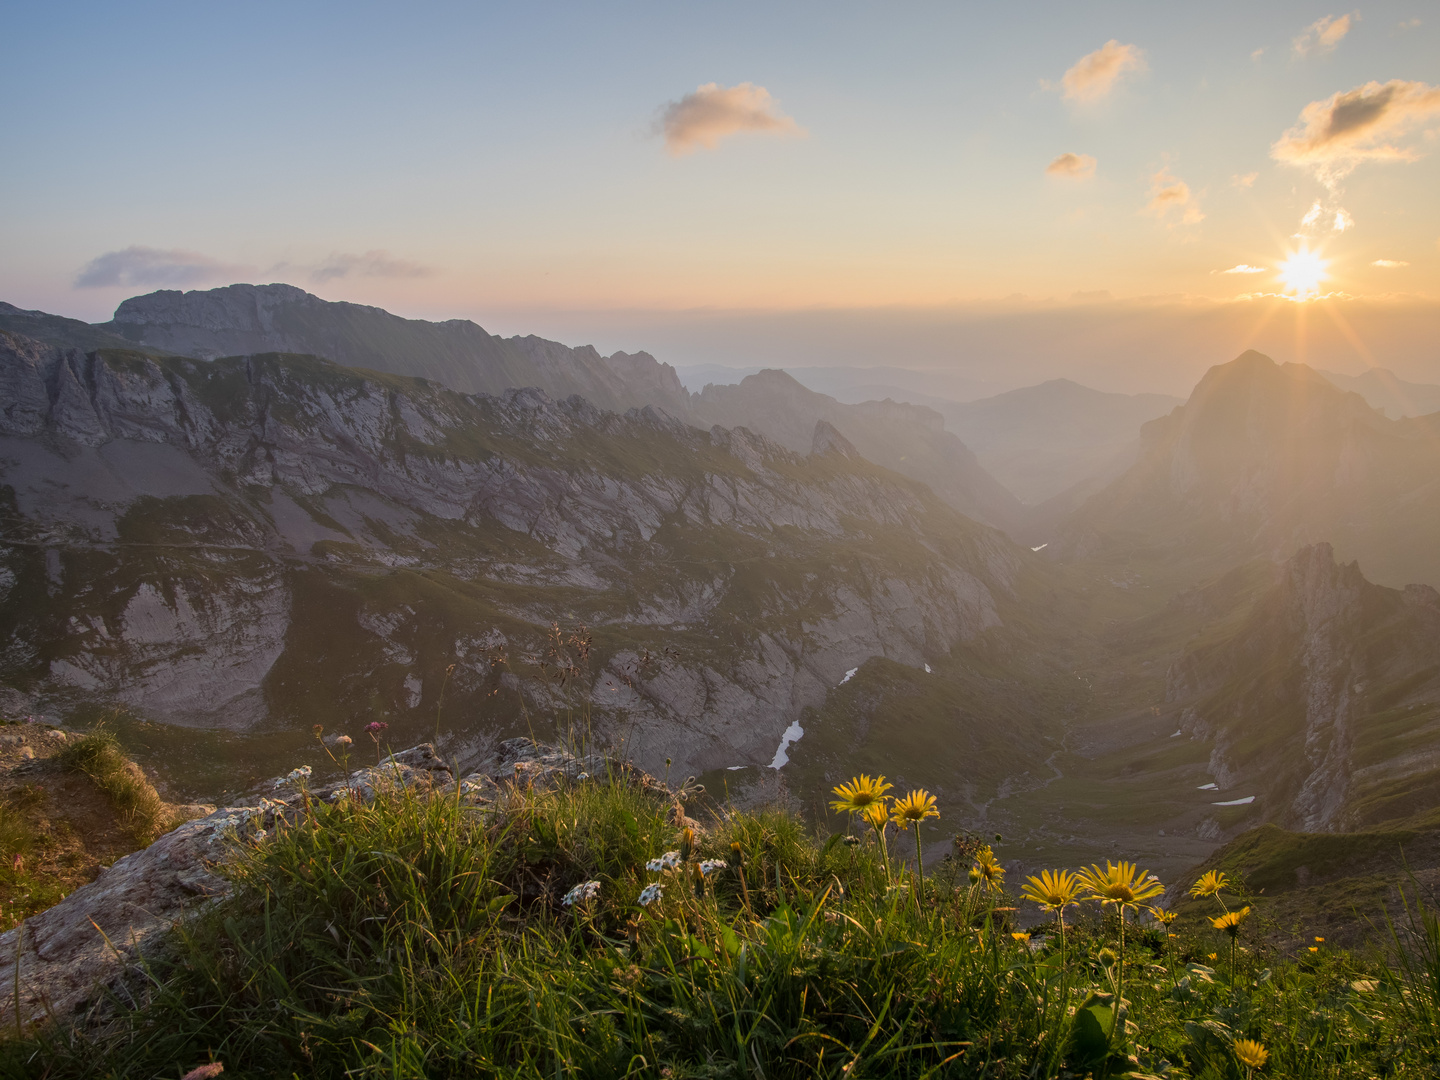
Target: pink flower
x=376, y=726
x=205, y=1072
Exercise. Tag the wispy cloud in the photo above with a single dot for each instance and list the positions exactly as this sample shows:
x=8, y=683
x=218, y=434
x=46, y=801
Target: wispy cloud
x=371, y=264
x=1244, y=180
x=1072, y=167
x=1242, y=268
x=1389, y=264
x=1368, y=123
x=1094, y=75
x=713, y=111
x=1321, y=36
x=1171, y=195
x=146, y=266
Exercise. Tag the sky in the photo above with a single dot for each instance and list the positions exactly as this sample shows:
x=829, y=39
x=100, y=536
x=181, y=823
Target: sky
x=1124, y=192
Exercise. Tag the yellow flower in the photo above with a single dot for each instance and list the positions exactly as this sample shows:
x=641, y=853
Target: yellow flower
x=1120, y=883
x=860, y=794
x=987, y=869
x=915, y=807
x=1163, y=917
x=1053, y=890
x=1251, y=1053
x=1213, y=955
x=876, y=815
x=1314, y=949
x=1320, y=940
x=1210, y=884
x=1230, y=921
x=1020, y=935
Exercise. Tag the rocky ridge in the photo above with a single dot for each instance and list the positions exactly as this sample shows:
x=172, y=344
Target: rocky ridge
x=170, y=522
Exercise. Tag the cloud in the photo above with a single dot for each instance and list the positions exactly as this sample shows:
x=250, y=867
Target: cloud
x=1246, y=180
x=1072, y=167
x=371, y=264
x=1389, y=264
x=1243, y=268
x=1170, y=194
x=714, y=111
x=1321, y=36
x=142, y=266
x=1365, y=124
x=1095, y=75
x=1343, y=220
x=1257, y=54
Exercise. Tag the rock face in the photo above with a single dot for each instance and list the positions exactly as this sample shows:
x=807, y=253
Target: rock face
x=246, y=319
x=1325, y=703
x=273, y=540
x=90, y=941
x=1265, y=458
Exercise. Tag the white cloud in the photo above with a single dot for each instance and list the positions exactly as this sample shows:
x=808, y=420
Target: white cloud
x=1343, y=220
x=1243, y=268
x=713, y=111
x=1321, y=36
x=146, y=266
x=1245, y=180
x=1072, y=167
x=1389, y=264
x=1257, y=54
x=1094, y=75
x=370, y=264
x=1169, y=194
x=1368, y=123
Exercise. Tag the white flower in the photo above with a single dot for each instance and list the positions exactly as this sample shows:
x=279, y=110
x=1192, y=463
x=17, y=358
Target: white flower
x=585, y=891
x=342, y=793
x=344, y=740
x=583, y=776
x=260, y=834
x=709, y=866
x=650, y=894
x=295, y=778
x=668, y=861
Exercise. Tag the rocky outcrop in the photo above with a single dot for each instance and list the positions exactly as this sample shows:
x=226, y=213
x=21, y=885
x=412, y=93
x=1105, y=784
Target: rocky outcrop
x=95, y=940
x=1325, y=702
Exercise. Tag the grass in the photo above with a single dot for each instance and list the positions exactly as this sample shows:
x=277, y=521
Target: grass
x=418, y=936
x=136, y=802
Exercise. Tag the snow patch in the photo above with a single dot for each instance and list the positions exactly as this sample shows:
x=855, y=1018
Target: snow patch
x=1208, y=787
x=1177, y=734
x=848, y=676
x=1042, y=547
x=792, y=735
x=1237, y=802
x=927, y=669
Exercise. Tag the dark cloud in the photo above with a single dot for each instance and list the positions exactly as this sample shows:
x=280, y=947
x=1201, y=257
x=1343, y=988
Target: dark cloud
x=370, y=264
x=139, y=267
x=1368, y=123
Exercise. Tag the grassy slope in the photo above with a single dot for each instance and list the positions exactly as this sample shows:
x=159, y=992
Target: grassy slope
x=420, y=937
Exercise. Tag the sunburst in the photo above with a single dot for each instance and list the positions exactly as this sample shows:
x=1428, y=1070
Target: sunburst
x=1302, y=272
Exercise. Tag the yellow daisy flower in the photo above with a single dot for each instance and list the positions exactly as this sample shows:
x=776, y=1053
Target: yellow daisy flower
x=913, y=808
x=1251, y=1053
x=859, y=794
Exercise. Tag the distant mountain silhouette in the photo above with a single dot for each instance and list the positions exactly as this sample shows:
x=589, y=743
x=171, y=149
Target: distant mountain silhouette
x=1264, y=458
x=1389, y=393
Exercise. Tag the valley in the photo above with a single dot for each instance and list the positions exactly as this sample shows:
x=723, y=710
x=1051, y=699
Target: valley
x=214, y=553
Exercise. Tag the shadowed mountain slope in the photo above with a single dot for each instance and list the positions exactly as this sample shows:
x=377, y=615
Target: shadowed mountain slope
x=267, y=542
x=1265, y=458
x=1389, y=393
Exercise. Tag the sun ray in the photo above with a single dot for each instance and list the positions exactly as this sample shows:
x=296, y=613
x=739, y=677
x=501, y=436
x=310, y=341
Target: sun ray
x=1302, y=272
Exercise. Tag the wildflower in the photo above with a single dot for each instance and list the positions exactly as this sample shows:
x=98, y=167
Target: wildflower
x=1314, y=949
x=205, y=1072
x=650, y=894
x=583, y=893
x=343, y=740
x=1214, y=956
x=1230, y=921
x=375, y=727
x=317, y=730
x=1020, y=935
x=711, y=866
x=669, y=861
x=294, y=778
x=1251, y=1053
x=342, y=793
x=582, y=776
x=1320, y=941
x=861, y=793
x=876, y=815
x=1121, y=884
x=260, y=834
x=1210, y=884
x=851, y=840
x=1163, y=917
x=913, y=809
x=987, y=870
x=1053, y=890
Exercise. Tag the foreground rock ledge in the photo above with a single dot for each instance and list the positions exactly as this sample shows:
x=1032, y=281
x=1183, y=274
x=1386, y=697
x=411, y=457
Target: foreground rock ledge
x=74, y=956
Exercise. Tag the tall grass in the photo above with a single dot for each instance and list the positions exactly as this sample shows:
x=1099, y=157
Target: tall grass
x=416, y=936
x=135, y=800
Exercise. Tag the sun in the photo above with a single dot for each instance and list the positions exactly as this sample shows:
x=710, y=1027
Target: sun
x=1303, y=272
